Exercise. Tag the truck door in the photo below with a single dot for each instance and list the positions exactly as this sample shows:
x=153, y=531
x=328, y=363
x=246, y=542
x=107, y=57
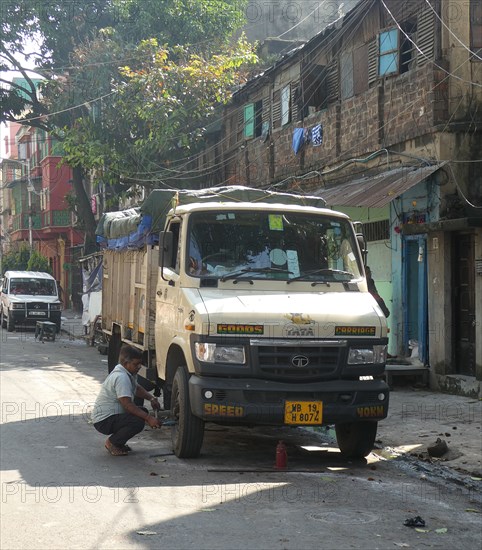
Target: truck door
x=167, y=297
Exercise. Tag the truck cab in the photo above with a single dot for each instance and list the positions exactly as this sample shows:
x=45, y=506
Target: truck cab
x=263, y=317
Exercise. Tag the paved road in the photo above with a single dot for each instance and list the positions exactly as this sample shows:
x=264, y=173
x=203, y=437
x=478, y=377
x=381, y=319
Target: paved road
x=60, y=488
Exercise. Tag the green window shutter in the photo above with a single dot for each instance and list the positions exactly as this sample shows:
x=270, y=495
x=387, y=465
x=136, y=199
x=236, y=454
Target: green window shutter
x=249, y=120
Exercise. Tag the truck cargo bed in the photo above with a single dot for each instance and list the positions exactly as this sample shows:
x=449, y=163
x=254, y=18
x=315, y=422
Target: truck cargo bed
x=129, y=294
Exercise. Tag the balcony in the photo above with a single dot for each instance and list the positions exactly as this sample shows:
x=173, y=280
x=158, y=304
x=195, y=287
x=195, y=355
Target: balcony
x=43, y=220
x=20, y=222
x=56, y=218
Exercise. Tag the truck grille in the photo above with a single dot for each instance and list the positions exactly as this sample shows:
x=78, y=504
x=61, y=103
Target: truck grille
x=37, y=306
x=297, y=362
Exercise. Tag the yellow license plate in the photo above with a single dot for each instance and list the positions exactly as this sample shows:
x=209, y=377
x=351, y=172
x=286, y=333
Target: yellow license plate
x=303, y=412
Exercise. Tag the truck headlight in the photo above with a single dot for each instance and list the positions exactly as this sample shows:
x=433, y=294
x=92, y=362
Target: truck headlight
x=55, y=307
x=215, y=353
x=18, y=306
x=365, y=356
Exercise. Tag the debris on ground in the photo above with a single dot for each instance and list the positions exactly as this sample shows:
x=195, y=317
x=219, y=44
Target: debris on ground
x=438, y=449
x=417, y=521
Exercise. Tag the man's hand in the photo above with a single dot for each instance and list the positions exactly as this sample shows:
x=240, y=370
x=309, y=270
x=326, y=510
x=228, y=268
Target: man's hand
x=155, y=404
x=153, y=422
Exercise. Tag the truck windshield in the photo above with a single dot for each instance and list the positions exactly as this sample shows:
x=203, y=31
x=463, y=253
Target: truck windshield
x=272, y=245
x=33, y=287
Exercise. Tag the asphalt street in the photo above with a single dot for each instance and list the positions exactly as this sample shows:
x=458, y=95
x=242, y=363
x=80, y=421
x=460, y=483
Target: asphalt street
x=61, y=489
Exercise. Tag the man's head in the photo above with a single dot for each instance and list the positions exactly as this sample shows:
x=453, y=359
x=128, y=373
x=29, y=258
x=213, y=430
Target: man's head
x=368, y=272
x=130, y=358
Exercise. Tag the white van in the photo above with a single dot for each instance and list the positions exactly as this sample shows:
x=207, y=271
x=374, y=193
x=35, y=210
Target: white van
x=28, y=297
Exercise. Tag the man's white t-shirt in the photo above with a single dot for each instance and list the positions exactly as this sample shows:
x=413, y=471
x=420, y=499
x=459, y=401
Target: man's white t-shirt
x=119, y=383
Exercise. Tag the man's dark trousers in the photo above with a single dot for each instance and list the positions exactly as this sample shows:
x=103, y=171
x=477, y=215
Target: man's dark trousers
x=121, y=427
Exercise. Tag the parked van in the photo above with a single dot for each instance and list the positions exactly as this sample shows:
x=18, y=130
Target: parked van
x=28, y=297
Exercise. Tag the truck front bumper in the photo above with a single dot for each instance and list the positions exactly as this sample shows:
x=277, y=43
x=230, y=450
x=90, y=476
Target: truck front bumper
x=253, y=401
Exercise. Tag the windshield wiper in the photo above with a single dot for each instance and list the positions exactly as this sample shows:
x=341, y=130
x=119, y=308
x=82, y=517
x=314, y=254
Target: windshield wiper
x=236, y=274
x=324, y=271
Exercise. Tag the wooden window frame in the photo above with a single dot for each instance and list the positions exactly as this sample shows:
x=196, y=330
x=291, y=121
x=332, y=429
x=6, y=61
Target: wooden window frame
x=249, y=118
x=285, y=99
x=253, y=119
x=475, y=26
x=394, y=52
x=404, y=52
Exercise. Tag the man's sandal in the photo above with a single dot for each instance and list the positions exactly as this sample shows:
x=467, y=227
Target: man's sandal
x=126, y=448
x=113, y=450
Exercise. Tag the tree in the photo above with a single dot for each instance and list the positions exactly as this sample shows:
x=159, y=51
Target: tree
x=158, y=112
x=38, y=262
x=100, y=50
x=16, y=259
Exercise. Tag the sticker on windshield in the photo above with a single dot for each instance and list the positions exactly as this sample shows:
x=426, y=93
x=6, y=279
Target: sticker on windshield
x=275, y=222
x=293, y=263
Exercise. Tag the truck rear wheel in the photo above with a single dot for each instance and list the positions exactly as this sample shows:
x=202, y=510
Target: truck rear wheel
x=188, y=432
x=356, y=439
x=115, y=345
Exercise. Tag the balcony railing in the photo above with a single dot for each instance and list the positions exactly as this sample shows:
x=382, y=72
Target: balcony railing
x=56, y=218
x=21, y=222
x=43, y=220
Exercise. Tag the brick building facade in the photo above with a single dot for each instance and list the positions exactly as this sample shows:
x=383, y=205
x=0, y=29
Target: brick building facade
x=381, y=114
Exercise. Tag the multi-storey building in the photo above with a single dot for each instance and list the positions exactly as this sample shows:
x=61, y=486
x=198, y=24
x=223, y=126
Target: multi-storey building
x=36, y=185
x=381, y=114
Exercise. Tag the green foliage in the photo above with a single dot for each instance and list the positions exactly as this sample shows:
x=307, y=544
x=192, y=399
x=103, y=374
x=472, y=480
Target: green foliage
x=134, y=83
x=37, y=262
x=159, y=111
x=16, y=259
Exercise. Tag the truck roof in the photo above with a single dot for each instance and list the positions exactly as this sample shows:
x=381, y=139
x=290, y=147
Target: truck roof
x=27, y=274
x=193, y=207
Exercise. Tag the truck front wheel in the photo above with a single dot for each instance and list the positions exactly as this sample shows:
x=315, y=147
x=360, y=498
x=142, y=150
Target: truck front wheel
x=356, y=439
x=10, y=323
x=188, y=432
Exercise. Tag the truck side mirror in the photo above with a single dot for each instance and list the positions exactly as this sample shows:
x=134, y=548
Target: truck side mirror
x=362, y=243
x=166, y=241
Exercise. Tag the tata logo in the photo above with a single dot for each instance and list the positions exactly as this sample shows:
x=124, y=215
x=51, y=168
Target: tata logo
x=300, y=361
x=36, y=306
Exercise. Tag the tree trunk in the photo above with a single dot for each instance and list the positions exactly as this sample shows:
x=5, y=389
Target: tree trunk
x=85, y=211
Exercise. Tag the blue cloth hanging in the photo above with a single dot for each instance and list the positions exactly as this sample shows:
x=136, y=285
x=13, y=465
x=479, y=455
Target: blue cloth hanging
x=298, y=139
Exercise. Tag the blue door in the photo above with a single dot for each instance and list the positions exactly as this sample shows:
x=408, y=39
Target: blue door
x=415, y=310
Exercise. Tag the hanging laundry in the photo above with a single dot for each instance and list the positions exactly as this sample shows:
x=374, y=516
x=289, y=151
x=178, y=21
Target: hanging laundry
x=298, y=139
x=307, y=136
x=264, y=131
x=317, y=135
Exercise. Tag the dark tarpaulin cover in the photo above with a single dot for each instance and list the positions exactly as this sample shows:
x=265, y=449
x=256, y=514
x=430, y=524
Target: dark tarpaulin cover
x=160, y=201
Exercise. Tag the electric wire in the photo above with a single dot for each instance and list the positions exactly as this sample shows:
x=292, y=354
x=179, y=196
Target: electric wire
x=190, y=160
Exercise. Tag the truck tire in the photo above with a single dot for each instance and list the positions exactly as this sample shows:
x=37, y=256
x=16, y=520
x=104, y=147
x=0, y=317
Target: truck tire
x=188, y=433
x=115, y=345
x=356, y=439
x=10, y=323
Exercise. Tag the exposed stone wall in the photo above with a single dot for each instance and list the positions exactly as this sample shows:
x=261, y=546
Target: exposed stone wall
x=396, y=110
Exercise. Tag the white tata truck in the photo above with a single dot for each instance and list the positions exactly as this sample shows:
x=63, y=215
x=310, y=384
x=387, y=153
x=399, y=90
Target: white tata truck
x=251, y=308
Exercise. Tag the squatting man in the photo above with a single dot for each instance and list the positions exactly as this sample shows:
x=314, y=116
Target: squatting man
x=115, y=413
